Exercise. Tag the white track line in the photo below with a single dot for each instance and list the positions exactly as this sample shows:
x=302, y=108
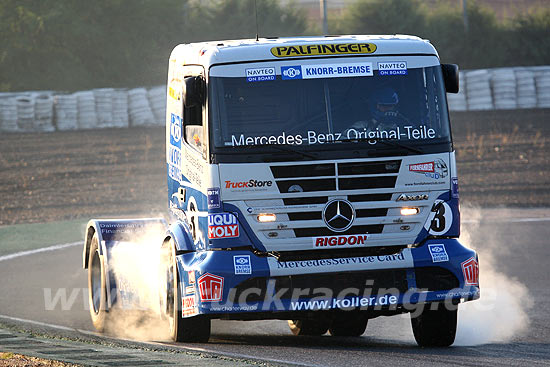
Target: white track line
x=59, y=327
x=185, y=347
x=38, y=250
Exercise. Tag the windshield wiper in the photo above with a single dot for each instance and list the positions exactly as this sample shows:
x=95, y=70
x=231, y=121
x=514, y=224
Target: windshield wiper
x=389, y=143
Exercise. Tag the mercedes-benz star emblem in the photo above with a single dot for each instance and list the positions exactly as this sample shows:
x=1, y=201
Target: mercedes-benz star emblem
x=338, y=215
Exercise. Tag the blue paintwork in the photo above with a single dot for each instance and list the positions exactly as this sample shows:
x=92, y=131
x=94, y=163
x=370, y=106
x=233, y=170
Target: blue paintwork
x=220, y=263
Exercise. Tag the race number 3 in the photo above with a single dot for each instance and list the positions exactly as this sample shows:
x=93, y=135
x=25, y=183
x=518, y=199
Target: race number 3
x=443, y=219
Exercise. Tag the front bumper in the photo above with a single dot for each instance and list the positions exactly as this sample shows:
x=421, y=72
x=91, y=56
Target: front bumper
x=239, y=282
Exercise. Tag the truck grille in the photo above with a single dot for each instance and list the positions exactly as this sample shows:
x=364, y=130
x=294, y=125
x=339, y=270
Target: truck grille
x=336, y=176
x=301, y=191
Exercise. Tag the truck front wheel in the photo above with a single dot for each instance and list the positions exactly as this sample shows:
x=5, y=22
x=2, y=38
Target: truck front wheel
x=348, y=324
x=194, y=329
x=313, y=327
x=97, y=286
x=435, y=328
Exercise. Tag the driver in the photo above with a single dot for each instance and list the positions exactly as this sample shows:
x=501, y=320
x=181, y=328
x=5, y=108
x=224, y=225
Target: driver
x=384, y=110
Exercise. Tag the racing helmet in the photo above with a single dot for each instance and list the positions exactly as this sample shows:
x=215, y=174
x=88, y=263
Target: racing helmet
x=385, y=100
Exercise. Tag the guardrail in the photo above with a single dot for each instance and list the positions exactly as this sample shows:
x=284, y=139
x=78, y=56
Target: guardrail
x=484, y=89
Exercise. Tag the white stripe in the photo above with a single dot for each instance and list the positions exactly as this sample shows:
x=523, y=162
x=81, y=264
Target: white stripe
x=38, y=250
x=511, y=220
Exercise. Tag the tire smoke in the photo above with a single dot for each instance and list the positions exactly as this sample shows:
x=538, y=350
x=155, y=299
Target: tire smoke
x=135, y=265
x=501, y=313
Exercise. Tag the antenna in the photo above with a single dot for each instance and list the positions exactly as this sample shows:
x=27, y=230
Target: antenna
x=256, y=10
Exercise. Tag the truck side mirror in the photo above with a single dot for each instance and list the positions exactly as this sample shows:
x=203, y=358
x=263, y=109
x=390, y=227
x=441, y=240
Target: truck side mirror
x=193, y=91
x=450, y=76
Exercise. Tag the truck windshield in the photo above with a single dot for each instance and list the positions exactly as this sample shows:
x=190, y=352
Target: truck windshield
x=315, y=105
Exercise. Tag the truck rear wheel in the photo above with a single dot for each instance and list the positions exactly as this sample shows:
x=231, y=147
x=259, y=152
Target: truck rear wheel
x=435, y=328
x=97, y=286
x=313, y=327
x=194, y=329
x=348, y=324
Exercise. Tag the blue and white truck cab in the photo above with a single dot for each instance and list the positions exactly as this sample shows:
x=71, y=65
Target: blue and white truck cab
x=310, y=179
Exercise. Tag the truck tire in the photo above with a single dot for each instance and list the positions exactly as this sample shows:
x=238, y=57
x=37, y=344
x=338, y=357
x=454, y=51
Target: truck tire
x=348, y=324
x=311, y=327
x=194, y=329
x=435, y=328
x=97, y=286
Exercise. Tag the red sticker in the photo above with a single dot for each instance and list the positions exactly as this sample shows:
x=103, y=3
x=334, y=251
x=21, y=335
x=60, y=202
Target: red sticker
x=470, y=269
x=210, y=287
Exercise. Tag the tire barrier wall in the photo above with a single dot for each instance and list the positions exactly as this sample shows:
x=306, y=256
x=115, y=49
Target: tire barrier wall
x=483, y=89
x=99, y=108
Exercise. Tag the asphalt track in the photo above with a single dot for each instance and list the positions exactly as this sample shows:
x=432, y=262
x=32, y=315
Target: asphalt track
x=514, y=259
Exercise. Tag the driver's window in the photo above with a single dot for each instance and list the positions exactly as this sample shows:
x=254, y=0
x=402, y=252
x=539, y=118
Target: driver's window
x=193, y=117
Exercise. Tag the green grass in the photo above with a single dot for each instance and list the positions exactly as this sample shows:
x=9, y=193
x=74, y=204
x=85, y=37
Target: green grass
x=22, y=237
x=6, y=355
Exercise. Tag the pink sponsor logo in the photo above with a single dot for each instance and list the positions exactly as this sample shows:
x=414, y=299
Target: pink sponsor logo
x=422, y=167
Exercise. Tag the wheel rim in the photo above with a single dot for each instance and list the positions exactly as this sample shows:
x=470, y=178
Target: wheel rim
x=96, y=283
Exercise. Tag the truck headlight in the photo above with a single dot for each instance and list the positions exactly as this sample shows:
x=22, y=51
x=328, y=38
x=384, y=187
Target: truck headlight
x=267, y=218
x=409, y=211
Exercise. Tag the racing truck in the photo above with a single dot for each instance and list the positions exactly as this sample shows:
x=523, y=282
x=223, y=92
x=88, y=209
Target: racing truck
x=310, y=179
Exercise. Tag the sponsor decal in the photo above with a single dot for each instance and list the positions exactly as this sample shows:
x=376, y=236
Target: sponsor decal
x=326, y=71
x=313, y=137
x=336, y=70
x=222, y=225
x=233, y=308
x=344, y=303
x=422, y=167
x=353, y=240
x=392, y=68
x=413, y=197
x=210, y=287
x=438, y=252
x=191, y=276
x=174, y=157
x=291, y=72
x=461, y=294
x=213, y=195
x=248, y=184
x=323, y=49
x=260, y=74
x=175, y=128
x=115, y=228
x=194, y=167
x=188, y=306
x=174, y=89
x=470, y=270
x=401, y=260
x=242, y=264
x=436, y=169
x=454, y=187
